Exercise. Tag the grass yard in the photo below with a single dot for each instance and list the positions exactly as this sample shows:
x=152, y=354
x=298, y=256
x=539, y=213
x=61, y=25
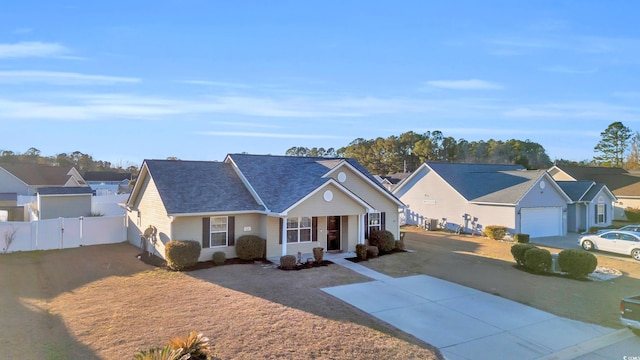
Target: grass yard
x=100, y=302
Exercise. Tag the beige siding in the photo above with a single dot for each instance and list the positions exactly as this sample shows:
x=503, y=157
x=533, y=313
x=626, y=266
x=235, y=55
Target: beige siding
x=316, y=205
x=190, y=228
x=152, y=212
x=52, y=207
x=372, y=195
x=558, y=175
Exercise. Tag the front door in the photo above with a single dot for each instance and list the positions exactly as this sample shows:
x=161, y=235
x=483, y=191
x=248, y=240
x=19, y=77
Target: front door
x=333, y=233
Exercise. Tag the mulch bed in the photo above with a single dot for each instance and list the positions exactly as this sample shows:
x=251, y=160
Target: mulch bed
x=157, y=261
x=307, y=265
x=357, y=259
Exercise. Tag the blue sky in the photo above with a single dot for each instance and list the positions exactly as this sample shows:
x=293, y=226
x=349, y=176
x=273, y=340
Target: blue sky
x=129, y=80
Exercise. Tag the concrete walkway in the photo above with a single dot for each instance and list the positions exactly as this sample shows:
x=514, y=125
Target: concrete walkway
x=465, y=323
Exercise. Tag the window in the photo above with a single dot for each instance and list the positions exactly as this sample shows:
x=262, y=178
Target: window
x=374, y=222
x=298, y=229
x=600, y=213
x=219, y=231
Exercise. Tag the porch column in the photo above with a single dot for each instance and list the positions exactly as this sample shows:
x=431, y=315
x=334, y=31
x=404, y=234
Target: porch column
x=284, y=236
x=361, y=226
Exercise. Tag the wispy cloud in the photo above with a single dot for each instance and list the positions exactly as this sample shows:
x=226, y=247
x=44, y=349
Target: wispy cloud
x=245, y=124
x=61, y=78
x=472, y=84
x=32, y=49
x=569, y=70
x=22, y=31
x=580, y=44
x=575, y=110
x=221, y=84
x=269, y=135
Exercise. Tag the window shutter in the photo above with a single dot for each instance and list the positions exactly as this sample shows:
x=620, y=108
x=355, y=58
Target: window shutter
x=596, y=212
x=280, y=232
x=605, y=212
x=206, y=232
x=314, y=229
x=383, y=221
x=366, y=226
x=231, y=230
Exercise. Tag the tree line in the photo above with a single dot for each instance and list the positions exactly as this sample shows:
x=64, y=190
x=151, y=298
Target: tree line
x=81, y=161
x=404, y=153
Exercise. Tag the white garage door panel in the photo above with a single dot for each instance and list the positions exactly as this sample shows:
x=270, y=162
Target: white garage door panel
x=541, y=222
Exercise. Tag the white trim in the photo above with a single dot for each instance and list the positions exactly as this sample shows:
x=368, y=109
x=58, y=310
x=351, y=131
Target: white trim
x=340, y=187
x=226, y=232
x=220, y=213
x=377, y=185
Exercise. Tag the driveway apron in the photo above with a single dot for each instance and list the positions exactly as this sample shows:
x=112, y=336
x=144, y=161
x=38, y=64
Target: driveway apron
x=465, y=323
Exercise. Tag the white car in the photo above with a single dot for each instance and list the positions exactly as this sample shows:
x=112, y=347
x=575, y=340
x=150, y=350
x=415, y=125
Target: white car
x=633, y=227
x=621, y=242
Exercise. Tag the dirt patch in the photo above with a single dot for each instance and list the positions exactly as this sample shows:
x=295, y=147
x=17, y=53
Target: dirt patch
x=488, y=265
x=101, y=302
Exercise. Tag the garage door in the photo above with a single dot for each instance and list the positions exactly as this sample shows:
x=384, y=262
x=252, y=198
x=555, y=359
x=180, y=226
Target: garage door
x=542, y=221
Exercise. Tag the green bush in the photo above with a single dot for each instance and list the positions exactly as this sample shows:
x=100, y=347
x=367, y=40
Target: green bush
x=182, y=254
x=538, y=260
x=250, y=247
x=383, y=240
x=518, y=251
x=399, y=245
x=577, y=262
x=632, y=214
x=318, y=254
x=495, y=232
x=521, y=238
x=372, y=251
x=361, y=251
x=219, y=258
x=288, y=262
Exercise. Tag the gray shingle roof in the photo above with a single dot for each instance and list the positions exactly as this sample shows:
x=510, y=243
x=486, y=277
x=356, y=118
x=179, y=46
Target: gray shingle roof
x=281, y=181
x=593, y=192
x=200, y=187
x=576, y=190
x=69, y=190
x=492, y=183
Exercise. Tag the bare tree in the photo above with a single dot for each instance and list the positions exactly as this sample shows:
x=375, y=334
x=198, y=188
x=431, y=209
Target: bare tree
x=9, y=236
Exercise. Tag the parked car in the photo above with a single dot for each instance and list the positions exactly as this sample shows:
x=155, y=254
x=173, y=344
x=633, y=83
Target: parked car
x=633, y=227
x=630, y=313
x=621, y=242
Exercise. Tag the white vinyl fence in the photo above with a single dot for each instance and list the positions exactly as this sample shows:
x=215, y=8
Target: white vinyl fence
x=63, y=233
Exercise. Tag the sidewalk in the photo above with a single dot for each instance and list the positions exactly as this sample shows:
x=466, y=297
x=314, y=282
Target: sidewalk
x=465, y=323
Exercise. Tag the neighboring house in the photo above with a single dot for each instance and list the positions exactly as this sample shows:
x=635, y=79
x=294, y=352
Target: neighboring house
x=592, y=205
x=474, y=196
x=64, y=202
x=392, y=181
x=26, y=179
x=20, y=179
x=109, y=182
x=624, y=185
x=295, y=203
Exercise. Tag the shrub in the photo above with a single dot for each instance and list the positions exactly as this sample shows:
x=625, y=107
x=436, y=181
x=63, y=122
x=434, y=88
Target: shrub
x=521, y=238
x=518, y=251
x=219, y=258
x=372, y=251
x=577, y=262
x=399, y=245
x=382, y=239
x=182, y=254
x=250, y=247
x=288, y=262
x=193, y=346
x=361, y=251
x=632, y=214
x=318, y=254
x=538, y=260
x=495, y=232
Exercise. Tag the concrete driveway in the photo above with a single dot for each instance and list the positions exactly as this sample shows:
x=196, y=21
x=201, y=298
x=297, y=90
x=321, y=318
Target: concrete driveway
x=465, y=323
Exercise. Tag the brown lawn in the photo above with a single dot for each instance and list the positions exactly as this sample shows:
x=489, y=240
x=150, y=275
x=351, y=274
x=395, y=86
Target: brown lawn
x=101, y=302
